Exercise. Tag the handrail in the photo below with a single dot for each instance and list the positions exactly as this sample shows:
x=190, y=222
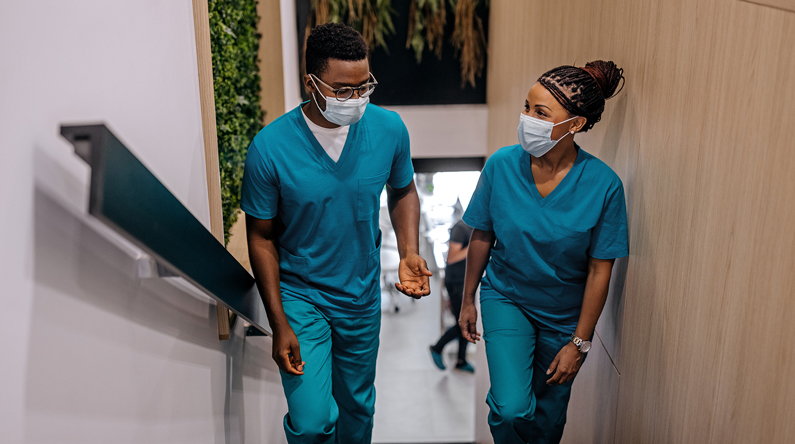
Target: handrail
x=127, y=197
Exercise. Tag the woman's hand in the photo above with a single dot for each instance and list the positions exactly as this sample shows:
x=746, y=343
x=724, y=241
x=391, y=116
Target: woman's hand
x=413, y=273
x=468, y=321
x=566, y=365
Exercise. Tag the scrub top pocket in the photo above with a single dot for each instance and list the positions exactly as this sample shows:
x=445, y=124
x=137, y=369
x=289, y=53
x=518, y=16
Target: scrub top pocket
x=569, y=252
x=369, y=196
x=369, y=265
x=290, y=263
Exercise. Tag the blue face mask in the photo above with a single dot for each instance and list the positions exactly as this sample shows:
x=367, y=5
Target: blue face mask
x=342, y=113
x=535, y=135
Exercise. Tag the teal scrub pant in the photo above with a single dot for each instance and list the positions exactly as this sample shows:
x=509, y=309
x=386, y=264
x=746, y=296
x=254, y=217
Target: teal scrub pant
x=334, y=400
x=524, y=409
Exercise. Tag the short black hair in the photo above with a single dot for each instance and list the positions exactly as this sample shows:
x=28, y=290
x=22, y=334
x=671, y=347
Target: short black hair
x=332, y=41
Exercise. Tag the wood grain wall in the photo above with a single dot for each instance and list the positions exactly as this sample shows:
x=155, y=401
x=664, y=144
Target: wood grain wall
x=204, y=60
x=270, y=59
x=699, y=318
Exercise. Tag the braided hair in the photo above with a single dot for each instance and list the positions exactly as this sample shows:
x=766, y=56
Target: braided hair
x=583, y=91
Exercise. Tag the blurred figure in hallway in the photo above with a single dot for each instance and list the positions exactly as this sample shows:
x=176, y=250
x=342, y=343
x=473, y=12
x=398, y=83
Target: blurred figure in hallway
x=454, y=283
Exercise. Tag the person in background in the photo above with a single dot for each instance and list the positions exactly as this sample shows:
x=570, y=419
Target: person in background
x=549, y=220
x=454, y=283
x=311, y=193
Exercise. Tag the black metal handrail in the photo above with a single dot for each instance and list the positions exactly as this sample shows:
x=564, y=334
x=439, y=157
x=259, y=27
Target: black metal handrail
x=126, y=196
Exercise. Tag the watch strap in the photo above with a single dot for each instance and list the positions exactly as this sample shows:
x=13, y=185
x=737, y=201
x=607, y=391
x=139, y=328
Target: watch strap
x=577, y=341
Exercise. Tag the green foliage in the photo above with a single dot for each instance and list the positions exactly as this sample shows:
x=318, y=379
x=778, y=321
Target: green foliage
x=236, y=79
x=427, y=19
x=372, y=18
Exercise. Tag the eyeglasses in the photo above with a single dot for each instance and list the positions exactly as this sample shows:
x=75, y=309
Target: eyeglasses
x=346, y=92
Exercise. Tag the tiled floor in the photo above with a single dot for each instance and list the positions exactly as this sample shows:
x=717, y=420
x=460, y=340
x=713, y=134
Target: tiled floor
x=416, y=402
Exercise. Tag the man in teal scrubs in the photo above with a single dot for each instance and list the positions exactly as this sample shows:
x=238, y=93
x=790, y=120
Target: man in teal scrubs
x=311, y=194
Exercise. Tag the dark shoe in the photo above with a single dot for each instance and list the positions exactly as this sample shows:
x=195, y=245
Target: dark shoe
x=437, y=358
x=465, y=367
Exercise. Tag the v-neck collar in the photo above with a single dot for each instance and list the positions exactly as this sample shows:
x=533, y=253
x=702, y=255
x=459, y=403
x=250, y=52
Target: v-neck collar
x=527, y=170
x=320, y=153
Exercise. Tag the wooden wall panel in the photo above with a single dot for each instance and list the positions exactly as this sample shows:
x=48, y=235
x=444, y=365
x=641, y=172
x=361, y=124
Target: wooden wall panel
x=787, y=5
x=204, y=59
x=699, y=138
x=238, y=243
x=752, y=198
x=595, y=390
x=270, y=59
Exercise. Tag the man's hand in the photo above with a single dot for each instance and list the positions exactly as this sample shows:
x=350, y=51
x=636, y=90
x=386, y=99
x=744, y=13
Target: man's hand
x=468, y=322
x=566, y=365
x=404, y=210
x=413, y=273
x=287, y=352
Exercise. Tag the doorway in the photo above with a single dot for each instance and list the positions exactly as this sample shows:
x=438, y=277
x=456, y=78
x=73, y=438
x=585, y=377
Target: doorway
x=416, y=402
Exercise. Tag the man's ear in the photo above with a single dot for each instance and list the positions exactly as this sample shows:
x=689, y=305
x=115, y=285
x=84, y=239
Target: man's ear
x=310, y=87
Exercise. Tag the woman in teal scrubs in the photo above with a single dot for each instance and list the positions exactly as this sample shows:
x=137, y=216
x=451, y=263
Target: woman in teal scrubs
x=549, y=220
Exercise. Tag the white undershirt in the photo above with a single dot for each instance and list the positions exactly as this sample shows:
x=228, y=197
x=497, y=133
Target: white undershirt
x=331, y=139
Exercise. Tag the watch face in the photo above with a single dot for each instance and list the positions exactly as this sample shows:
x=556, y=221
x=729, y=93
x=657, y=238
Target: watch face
x=586, y=346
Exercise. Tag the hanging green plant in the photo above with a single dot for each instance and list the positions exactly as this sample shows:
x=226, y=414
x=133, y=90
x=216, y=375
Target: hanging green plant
x=429, y=16
x=236, y=81
x=469, y=39
x=372, y=18
x=427, y=19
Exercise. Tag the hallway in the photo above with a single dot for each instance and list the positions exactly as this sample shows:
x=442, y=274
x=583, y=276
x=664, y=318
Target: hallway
x=415, y=402
x=124, y=130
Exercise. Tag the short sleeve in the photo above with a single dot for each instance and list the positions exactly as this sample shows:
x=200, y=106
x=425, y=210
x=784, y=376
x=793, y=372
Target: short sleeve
x=610, y=238
x=402, y=171
x=459, y=234
x=478, y=215
x=260, y=196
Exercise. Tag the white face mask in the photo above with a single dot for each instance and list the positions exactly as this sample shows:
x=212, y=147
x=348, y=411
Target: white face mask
x=342, y=113
x=535, y=135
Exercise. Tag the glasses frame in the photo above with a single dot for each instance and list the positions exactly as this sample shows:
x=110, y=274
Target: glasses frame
x=352, y=89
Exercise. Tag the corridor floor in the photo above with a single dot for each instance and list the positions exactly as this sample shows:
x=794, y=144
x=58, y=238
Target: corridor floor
x=416, y=402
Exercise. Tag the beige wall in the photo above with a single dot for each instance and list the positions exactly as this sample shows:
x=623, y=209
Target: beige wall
x=699, y=321
x=270, y=59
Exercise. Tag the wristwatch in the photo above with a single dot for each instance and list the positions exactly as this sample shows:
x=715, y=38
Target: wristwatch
x=583, y=346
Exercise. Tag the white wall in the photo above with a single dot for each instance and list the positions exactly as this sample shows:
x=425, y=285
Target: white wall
x=435, y=130
x=290, y=63
x=90, y=353
x=446, y=130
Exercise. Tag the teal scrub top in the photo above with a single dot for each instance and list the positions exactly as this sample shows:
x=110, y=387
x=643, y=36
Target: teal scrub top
x=326, y=211
x=540, y=259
